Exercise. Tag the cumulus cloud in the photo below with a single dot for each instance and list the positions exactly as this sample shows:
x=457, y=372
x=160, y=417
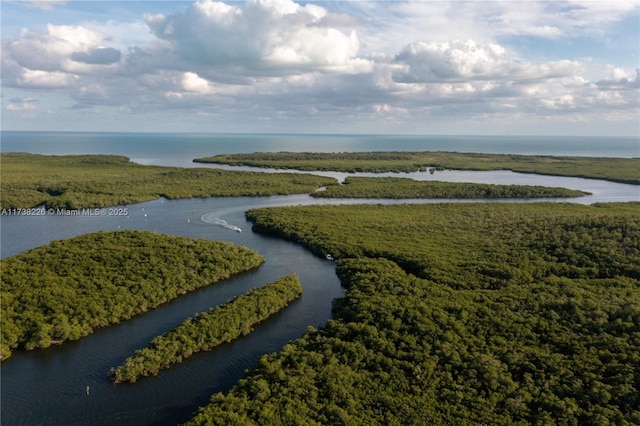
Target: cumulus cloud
x=99, y=56
x=22, y=104
x=471, y=60
x=620, y=80
x=260, y=34
x=46, y=79
x=191, y=82
x=435, y=61
x=60, y=48
x=279, y=60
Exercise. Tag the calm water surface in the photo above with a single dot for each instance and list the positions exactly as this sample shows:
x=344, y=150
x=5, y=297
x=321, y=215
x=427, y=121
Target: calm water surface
x=48, y=387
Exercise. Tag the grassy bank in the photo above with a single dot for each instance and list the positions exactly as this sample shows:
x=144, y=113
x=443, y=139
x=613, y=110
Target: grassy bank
x=624, y=170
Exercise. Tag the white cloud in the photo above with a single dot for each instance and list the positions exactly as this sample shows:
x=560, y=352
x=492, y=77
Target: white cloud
x=359, y=63
x=436, y=61
x=61, y=48
x=259, y=37
x=561, y=102
x=469, y=60
x=22, y=104
x=46, y=79
x=191, y=82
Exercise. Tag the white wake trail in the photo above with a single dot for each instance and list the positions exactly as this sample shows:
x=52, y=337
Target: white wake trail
x=213, y=219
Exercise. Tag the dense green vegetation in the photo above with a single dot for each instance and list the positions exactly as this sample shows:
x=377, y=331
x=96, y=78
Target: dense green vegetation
x=626, y=170
x=77, y=181
x=458, y=314
x=392, y=187
x=467, y=245
x=65, y=290
x=209, y=329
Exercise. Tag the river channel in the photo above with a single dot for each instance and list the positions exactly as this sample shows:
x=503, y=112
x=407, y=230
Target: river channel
x=48, y=387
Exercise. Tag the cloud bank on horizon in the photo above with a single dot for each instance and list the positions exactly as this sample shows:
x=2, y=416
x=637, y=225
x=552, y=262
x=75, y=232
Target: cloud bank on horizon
x=417, y=67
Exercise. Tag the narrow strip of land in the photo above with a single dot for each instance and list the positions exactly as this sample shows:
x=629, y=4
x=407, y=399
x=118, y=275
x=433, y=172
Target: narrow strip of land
x=208, y=330
x=67, y=289
x=402, y=188
x=78, y=181
x=623, y=170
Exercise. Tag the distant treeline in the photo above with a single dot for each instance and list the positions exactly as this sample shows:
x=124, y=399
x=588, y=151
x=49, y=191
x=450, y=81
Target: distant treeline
x=624, y=170
x=398, y=188
x=209, y=329
x=486, y=313
x=65, y=290
x=77, y=181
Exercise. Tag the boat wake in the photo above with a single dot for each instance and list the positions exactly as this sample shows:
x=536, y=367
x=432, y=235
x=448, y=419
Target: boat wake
x=212, y=219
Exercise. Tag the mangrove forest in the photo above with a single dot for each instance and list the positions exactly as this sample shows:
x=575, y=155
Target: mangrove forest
x=67, y=289
x=623, y=170
x=78, y=181
x=208, y=330
x=485, y=313
x=399, y=188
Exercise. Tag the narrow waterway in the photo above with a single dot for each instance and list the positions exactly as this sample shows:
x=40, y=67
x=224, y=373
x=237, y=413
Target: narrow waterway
x=49, y=387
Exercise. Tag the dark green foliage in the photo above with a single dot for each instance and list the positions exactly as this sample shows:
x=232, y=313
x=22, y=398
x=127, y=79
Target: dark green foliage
x=67, y=289
x=390, y=187
x=76, y=181
x=626, y=170
x=210, y=329
x=522, y=314
x=470, y=245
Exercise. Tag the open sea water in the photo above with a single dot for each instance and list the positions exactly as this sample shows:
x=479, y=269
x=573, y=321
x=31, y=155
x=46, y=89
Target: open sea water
x=179, y=149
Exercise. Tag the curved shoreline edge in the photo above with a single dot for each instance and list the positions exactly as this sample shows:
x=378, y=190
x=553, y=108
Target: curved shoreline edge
x=208, y=330
x=66, y=290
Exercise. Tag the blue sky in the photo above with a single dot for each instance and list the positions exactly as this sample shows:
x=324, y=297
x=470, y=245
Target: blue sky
x=399, y=67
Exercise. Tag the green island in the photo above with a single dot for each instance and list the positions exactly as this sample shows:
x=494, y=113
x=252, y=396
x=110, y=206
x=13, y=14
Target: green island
x=623, y=170
x=67, y=289
x=80, y=181
x=210, y=329
x=398, y=188
x=470, y=313
x=84, y=181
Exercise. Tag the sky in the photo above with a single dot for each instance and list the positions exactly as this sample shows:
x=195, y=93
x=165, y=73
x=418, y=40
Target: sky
x=362, y=67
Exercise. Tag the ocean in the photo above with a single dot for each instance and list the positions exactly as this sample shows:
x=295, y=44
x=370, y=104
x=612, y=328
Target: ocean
x=179, y=149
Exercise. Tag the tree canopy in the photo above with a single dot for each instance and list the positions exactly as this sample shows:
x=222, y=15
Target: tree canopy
x=398, y=188
x=77, y=181
x=208, y=330
x=65, y=290
x=458, y=314
x=623, y=170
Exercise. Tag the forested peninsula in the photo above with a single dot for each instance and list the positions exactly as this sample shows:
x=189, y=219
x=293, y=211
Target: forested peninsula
x=85, y=181
x=623, y=170
x=399, y=188
x=461, y=313
x=208, y=330
x=67, y=289
x=81, y=181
